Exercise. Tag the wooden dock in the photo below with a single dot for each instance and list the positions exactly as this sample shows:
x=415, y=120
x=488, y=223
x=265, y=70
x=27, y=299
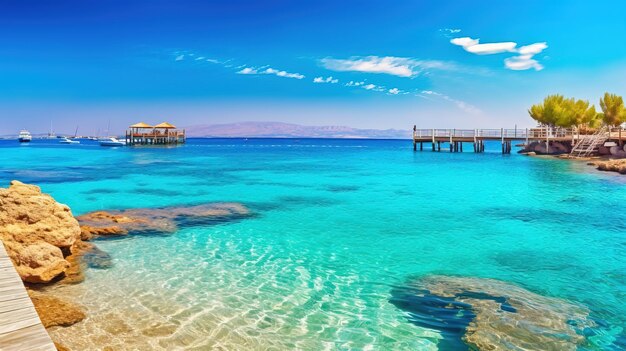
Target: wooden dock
x=455, y=138
x=20, y=326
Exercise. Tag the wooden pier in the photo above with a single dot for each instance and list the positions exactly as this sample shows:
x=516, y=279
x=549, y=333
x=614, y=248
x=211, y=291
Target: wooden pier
x=20, y=326
x=455, y=138
x=161, y=134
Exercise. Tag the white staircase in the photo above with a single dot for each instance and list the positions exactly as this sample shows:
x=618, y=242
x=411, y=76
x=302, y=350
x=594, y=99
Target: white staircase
x=590, y=144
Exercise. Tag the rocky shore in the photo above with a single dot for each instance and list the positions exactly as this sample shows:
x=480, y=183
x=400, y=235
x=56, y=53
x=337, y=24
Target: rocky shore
x=610, y=159
x=540, y=148
x=49, y=246
x=616, y=165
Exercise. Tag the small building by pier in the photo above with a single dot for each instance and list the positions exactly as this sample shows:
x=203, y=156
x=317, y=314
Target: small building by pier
x=162, y=134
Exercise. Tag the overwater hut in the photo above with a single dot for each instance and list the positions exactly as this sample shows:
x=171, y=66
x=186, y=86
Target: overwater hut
x=162, y=134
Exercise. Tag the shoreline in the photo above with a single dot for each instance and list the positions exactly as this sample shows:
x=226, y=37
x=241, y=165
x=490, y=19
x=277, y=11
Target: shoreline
x=603, y=163
x=165, y=315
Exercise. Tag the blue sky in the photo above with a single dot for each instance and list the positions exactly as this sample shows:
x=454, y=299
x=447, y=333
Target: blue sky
x=367, y=64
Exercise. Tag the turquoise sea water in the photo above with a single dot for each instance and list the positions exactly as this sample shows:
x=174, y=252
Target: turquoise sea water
x=336, y=226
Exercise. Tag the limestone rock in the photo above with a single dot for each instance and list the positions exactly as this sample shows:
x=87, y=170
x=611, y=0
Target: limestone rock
x=37, y=263
x=618, y=165
x=54, y=311
x=37, y=231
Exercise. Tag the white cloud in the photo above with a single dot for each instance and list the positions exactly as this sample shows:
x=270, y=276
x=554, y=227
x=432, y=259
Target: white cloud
x=212, y=60
x=248, y=70
x=330, y=80
x=199, y=58
x=523, y=61
x=429, y=92
x=473, y=46
x=394, y=91
x=354, y=84
x=180, y=57
x=464, y=41
x=397, y=66
x=532, y=49
x=272, y=71
x=283, y=73
x=492, y=48
x=369, y=87
x=450, y=30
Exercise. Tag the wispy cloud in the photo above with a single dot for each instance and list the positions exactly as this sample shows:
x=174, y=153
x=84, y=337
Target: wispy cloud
x=448, y=32
x=397, y=66
x=271, y=71
x=179, y=58
x=369, y=87
x=283, y=73
x=354, y=84
x=394, y=91
x=248, y=70
x=523, y=61
x=460, y=104
x=329, y=79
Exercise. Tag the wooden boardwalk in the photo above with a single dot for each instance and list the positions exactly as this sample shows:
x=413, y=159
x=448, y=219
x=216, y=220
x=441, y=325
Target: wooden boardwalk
x=20, y=326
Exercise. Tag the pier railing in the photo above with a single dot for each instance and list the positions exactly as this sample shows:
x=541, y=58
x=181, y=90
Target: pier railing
x=516, y=133
x=532, y=133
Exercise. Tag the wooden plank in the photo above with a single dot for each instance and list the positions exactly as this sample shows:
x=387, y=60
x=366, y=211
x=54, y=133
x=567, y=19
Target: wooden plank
x=20, y=326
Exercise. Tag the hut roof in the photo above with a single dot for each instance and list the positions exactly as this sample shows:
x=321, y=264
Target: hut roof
x=141, y=125
x=165, y=125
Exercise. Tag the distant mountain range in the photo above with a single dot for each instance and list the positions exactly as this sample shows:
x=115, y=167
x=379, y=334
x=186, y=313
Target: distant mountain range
x=288, y=130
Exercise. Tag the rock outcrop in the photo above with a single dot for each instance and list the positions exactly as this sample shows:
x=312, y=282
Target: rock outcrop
x=618, y=165
x=488, y=314
x=37, y=232
x=164, y=220
x=555, y=148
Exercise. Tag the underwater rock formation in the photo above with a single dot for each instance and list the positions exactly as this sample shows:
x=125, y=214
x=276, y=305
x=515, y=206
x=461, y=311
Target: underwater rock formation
x=54, y=311
x=487, y=314
x=37, y=232
x=156, y=220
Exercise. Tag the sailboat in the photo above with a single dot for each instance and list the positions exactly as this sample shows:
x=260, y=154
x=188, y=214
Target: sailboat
x=51, y=134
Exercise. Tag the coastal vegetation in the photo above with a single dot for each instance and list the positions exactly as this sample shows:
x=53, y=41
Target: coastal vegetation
x=613, y=109
x=559, y=111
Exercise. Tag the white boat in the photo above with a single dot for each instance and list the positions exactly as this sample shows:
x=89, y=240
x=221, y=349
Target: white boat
x=112, y=142
x=68, y=141
x=24, y=136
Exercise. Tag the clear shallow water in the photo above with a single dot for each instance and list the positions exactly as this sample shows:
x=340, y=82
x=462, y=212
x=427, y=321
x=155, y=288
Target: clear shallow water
x=337, y=225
